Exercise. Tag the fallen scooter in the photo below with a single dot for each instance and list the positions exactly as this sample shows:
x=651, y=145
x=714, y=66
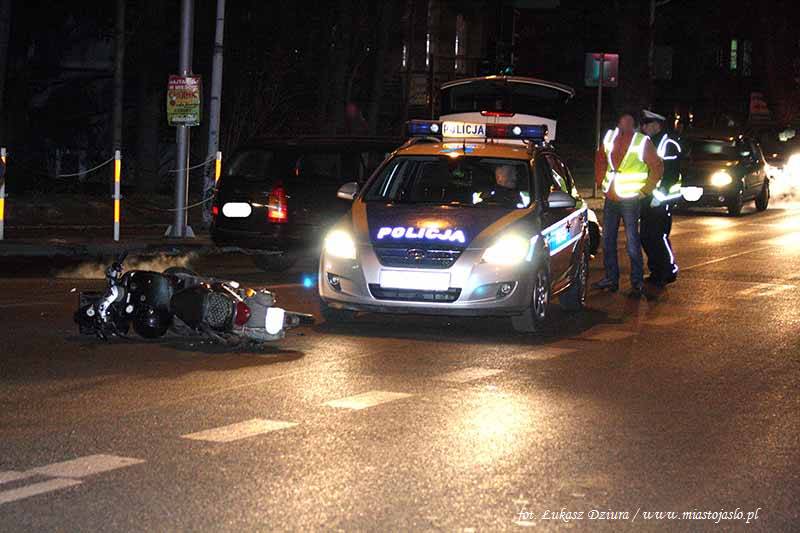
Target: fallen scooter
x=178, y=300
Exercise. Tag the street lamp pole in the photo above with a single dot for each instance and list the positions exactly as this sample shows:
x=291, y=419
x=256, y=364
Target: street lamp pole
x=180, y=228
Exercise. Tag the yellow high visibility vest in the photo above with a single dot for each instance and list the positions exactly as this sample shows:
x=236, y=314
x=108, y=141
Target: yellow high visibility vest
x=631, y=175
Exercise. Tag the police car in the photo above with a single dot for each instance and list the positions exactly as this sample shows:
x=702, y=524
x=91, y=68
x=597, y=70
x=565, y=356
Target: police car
x=458, y=221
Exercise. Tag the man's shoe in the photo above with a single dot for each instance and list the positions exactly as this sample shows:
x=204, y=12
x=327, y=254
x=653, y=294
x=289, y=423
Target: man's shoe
x=670, y=279
x=637, y=291
x=606, y=284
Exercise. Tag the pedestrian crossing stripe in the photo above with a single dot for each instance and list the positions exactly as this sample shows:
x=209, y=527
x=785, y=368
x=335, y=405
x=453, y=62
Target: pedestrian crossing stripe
x=240, y=430
x=366, y=399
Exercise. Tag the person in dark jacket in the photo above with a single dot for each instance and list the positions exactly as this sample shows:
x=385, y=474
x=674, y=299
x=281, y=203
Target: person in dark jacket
x=656, y=221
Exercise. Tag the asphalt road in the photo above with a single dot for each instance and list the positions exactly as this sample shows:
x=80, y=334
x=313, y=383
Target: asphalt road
x=683, y=403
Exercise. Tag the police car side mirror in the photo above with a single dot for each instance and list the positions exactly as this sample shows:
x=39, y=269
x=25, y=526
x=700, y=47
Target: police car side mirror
x=560, y=200
x=348, y=191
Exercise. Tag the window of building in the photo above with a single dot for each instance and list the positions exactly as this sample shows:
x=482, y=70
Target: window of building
x=747, y=58
x=461, y=31
x=428, y=50
x=734, y=54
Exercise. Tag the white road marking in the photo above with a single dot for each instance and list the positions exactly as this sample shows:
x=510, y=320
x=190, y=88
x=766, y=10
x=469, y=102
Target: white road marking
x=10, y=475
x=367, y=399
x=764, y=289
x=27, y=491
x=469, y=374
x=86, y=466
x=241, y=430
x=609, y=335
x=720, y=259
x=545, y=352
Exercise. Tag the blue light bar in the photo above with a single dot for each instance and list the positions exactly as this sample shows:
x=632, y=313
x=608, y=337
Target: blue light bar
x=422, y=128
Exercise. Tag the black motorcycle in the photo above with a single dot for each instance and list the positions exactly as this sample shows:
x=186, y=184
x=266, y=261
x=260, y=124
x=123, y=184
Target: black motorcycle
x=153, y=303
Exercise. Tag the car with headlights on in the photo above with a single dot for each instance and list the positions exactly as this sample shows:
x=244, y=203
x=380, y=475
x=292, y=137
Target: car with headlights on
x=460, y=225
x=722, y=171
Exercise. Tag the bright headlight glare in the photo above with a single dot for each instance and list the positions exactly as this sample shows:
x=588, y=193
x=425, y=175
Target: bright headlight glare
x=339, y=243
x=721, y=178
x=794, y=161
x=508, y=250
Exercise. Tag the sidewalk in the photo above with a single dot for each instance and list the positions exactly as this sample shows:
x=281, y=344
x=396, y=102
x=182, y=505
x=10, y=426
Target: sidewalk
x=96, y=241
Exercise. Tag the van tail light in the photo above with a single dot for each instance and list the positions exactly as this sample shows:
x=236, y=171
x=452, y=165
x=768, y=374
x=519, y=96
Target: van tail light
x=277, y=205
x=496, y=114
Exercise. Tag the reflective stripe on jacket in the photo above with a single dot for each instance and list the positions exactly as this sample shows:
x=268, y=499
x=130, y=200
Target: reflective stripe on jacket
x=631, y=175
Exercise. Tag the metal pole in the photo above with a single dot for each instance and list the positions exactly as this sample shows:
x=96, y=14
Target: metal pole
x=209, y=180
x=3, y=193
x=119, y=65
x=117, y=195
x=599, y=114
x=179, y=228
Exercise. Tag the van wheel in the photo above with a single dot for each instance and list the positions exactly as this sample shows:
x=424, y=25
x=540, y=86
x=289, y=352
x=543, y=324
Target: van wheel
x=574, y=298
x=535, y=316
x=762, y=200
x=275, y=262
x=333, y=315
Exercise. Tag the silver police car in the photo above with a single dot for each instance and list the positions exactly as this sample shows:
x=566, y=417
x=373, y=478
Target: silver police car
x=475, y=227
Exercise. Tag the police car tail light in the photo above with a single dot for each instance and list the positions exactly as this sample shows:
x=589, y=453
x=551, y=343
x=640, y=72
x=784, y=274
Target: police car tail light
x=339, y=243
x=277, y=205
x=214, y=211
x=517, y=131
x=496, y=114
x=508, y=250
x=421, y=128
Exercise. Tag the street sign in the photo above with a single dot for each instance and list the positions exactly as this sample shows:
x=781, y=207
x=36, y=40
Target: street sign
x=610, y=69
x=759, y=110
x=184, y=101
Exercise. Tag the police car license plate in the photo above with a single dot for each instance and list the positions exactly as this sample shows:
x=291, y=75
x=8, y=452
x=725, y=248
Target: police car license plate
x=463, y=130
x=409, y=279
x=237, y=210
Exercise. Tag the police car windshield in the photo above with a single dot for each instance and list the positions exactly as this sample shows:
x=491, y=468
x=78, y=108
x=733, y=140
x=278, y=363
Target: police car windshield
x=463, y=181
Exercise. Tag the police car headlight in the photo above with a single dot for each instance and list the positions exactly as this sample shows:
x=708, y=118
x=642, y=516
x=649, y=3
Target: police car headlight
x=508, y=250
x=721, y=178
x=339, y=243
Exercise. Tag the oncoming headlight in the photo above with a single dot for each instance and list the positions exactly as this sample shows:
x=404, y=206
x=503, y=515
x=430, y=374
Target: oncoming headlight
x=339, y=243
x=721, y=178
x=793, y=165
x=508, y=250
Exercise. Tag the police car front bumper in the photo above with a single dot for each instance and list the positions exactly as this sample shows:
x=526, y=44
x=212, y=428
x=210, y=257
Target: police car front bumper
x=475, y=288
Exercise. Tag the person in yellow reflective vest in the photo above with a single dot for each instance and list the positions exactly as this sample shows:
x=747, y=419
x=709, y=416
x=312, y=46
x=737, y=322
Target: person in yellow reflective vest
x=656, y=222
x=628, y=169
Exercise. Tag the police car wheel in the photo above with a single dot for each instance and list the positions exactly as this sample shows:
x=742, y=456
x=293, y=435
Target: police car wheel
x=594, y=238
x=333, y=315
x=535, y=316
x=274, y=262
x=762, y=200
x=574, y=298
